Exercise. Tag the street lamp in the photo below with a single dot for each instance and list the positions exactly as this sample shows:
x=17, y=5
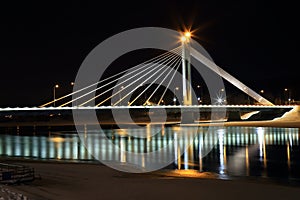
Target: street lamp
x=199, y=100
x=200, y=94
x=72, y=86
x=174, y=99
x=54, y=90
x=287, y=95
x=220, y=96
x=120, y=95
x=220, y=92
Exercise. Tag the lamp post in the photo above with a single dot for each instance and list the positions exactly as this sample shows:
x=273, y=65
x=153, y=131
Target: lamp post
x=220, y=98
x=199, y=100
x=220, y=93
x=54, y=90
x=287, y=96
x=72, y=85
x=174, y=99
x=221, y=90
x=261, y=92
x=200, y=97
x=120, y=95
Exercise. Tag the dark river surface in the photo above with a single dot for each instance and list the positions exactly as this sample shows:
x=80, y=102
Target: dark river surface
x=268, y=153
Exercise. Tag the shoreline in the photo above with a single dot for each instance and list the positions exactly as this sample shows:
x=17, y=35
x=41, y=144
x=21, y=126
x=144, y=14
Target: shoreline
x=97, y=181
x=165, y=172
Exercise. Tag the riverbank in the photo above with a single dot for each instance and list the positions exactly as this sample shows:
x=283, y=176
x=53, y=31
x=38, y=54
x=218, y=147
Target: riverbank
x=95, y=181
x=290, y=119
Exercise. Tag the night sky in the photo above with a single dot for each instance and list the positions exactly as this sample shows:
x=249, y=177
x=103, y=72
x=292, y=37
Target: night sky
x=45, y=43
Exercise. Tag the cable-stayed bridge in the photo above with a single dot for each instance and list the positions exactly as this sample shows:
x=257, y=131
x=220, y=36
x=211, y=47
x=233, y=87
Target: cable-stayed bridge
x=146, y=86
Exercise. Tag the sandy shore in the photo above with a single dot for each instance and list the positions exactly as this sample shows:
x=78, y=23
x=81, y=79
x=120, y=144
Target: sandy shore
x=95, y=181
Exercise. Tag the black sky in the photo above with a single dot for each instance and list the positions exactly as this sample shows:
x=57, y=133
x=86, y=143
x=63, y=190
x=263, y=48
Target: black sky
x=45, y=43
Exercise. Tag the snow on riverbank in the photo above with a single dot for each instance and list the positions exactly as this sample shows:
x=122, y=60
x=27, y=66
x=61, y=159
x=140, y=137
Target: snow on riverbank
x=7, y=194
x=293, y=115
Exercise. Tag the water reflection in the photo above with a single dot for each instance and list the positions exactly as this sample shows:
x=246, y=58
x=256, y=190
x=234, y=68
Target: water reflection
x=228, y=151
x=160, y=147
x=62, y=146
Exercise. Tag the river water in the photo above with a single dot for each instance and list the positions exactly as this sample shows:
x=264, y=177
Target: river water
x=231, y=152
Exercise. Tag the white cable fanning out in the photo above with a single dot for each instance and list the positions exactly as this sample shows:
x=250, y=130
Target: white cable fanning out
x=108, y=78
x=85, y=94
x=175, y=54
x=168, y=84
x=158, y=65
x=167, y=57
x=162, y=57
x=178, y=63
x=167, y=67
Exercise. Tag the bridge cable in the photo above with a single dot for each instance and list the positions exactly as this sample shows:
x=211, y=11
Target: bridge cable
x=167, y=57
x=173, y=61
x=161, y=58
x=177, y=63
x=135, y=81
x=85, y=94
x=169, y=83
x=65, y=96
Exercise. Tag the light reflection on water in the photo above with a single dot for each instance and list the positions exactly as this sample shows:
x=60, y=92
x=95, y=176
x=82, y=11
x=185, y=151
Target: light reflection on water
x=237, y=151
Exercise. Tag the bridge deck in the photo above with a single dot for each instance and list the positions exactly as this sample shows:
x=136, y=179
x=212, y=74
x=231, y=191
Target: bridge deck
x=192, y=107
x=140, y=114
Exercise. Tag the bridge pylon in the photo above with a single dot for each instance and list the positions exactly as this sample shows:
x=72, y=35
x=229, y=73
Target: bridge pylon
x=186, y=69
x=187, y=117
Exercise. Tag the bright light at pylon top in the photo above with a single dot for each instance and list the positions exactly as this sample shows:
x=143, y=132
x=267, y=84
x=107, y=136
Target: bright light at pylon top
x=186, y=36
